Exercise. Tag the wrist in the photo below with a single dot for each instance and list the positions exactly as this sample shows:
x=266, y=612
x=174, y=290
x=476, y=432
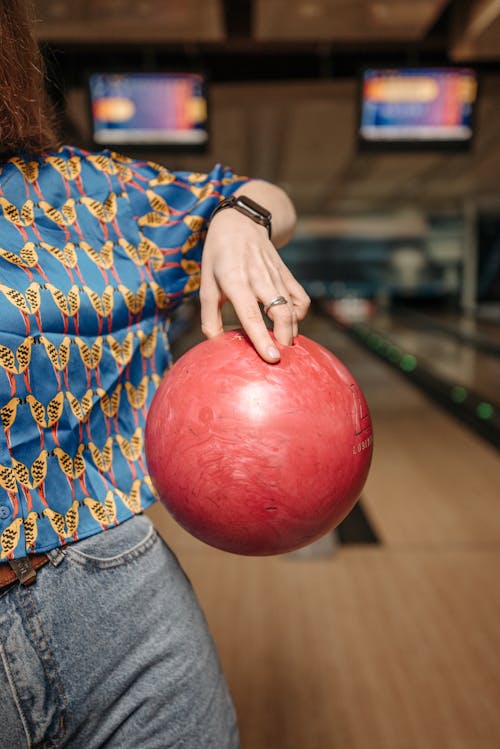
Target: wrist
x=247, y=207
x=276, y=200
x=234, y=224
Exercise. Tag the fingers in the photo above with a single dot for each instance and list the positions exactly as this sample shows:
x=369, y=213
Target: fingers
x=249, y=314
x=267, y=285
x=254, y=274
x=295, y=293
x=284, y=319
x=211, y=303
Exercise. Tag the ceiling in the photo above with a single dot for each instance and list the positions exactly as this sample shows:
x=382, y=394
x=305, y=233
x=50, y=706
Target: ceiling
x=474, y=24
x=281, y=110
x=345, y=20
x=130, y=20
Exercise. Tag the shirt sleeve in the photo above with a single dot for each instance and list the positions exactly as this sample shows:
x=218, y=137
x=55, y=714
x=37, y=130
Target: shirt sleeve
x=172, y=210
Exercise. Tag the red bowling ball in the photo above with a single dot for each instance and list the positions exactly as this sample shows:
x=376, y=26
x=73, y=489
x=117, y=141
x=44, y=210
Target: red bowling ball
x=258, y=458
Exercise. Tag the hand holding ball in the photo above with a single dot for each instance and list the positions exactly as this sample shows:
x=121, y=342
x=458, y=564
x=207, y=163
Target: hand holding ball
x=256, y=458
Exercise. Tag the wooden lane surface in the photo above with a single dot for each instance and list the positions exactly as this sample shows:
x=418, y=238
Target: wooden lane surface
x=432, y=481
x=371, y=649
x=445, y=356
x=470, y=326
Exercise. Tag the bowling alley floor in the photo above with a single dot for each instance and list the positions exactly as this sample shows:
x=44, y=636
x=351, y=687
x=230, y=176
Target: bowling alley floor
x=394, y=645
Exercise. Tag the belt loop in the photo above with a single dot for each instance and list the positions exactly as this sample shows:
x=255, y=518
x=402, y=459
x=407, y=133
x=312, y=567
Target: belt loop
x=56, y=556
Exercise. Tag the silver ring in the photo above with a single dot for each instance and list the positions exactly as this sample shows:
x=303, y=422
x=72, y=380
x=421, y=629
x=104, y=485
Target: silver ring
x=274, y=302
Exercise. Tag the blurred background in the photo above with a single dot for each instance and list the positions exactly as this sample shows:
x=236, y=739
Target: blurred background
x=381, y=119
x=284, y=82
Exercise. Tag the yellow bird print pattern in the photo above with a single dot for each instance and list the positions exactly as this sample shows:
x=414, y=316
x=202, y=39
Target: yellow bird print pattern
x=64, y=525
x=96, y=252
x=103, y=512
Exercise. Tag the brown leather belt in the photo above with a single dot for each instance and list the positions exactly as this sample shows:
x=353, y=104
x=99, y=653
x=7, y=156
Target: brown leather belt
x=21, y=570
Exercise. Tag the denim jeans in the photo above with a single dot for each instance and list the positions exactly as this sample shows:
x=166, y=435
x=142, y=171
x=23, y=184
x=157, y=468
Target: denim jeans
x=109, y=648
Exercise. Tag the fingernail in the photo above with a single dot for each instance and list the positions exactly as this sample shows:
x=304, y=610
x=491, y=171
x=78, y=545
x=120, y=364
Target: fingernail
x=273, y=352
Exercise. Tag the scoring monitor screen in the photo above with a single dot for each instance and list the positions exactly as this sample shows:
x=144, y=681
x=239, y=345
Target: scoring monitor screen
x=417, y=105
x=149, y=109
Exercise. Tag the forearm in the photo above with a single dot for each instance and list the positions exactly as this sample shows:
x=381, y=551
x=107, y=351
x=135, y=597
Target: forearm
x=277, y=201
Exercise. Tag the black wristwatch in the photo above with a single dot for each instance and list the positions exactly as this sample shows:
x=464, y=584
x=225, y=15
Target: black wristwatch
x=248, y=207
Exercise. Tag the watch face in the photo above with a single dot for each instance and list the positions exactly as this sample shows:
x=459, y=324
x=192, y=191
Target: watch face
x=254, y=207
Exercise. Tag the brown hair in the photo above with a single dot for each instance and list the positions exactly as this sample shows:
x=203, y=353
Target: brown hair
x=26, y=122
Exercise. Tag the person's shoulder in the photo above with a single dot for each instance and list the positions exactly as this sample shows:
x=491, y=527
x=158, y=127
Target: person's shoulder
x=93, y=167
x=129, y=169
x=77, y=158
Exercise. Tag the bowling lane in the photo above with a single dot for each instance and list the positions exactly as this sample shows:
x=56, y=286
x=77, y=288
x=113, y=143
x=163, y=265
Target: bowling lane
x=426, y=465
x=444, y=356
x=471, y=326
x=405, y=629
x=483, y=335
x=409, y=636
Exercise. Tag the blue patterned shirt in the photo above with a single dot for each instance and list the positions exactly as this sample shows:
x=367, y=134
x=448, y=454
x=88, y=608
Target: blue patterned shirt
x=96, y=250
